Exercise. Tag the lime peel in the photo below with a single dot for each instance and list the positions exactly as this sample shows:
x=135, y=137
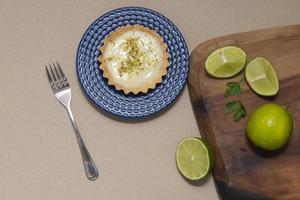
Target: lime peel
x=270, y=127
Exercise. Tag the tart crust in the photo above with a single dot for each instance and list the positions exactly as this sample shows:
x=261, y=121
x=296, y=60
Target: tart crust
x=163, y=65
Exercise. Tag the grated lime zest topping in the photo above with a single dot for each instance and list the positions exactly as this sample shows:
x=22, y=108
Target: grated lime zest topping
x=136, y=60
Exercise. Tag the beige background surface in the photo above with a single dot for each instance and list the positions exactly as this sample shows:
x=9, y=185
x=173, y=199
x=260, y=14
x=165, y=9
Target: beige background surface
x=39, y=155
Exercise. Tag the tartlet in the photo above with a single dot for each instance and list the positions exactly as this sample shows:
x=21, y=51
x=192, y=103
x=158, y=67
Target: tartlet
x=134, y=59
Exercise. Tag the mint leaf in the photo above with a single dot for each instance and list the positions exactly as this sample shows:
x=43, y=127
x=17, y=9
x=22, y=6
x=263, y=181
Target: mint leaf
x=233, y=89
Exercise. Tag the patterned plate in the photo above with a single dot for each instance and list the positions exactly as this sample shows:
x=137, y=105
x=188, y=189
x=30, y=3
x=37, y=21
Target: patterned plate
x=107, y=97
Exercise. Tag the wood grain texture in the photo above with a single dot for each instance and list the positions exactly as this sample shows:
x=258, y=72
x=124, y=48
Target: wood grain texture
x=242, y=171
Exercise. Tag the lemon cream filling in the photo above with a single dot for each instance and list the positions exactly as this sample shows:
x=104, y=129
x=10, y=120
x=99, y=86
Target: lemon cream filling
x=134, y=59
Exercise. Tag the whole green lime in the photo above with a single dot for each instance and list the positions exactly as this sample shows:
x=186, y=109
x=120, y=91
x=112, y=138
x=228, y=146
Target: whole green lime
x=270, y=126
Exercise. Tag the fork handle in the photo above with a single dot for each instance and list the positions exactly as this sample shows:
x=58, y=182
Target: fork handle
x=88, y=163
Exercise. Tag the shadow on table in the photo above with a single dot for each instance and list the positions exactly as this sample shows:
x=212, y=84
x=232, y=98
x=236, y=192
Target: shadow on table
x=198, y=182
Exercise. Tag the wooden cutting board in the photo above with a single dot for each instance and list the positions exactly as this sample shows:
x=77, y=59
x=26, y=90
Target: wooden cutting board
x=242, y=171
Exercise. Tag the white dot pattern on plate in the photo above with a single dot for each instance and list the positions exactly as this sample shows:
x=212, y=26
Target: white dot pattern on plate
x=107, y=97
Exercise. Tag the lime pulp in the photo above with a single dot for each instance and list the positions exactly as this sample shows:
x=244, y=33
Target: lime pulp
x=225, y=62
x=193, y=158
x=262, y=77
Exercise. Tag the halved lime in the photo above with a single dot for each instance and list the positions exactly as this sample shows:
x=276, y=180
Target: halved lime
x=193, y=158
x=225, y=62
x=261, y=77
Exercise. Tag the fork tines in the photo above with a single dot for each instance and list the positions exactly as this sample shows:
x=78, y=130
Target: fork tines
x=56, y=76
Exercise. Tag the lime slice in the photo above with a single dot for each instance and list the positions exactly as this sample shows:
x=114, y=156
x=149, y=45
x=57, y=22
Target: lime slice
x=261, y=77
x=225, y=62
x=193, y=158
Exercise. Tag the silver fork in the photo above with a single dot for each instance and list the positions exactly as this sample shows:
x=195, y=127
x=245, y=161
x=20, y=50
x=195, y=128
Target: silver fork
x=62, y=92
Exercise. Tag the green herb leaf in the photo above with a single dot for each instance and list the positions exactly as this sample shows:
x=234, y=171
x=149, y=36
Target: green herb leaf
x=233, y=89
x=237, y=108
x=230, y=107
x=239, y=113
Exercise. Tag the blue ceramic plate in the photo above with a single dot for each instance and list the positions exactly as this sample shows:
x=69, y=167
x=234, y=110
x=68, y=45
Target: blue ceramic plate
x=107, y=97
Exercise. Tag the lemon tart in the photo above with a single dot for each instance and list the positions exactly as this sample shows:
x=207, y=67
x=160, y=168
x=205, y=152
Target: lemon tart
x=134, y=59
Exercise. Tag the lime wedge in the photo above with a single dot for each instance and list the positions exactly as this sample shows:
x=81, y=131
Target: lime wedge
x=225, y=62
x=193, y=158
x=261, y=77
